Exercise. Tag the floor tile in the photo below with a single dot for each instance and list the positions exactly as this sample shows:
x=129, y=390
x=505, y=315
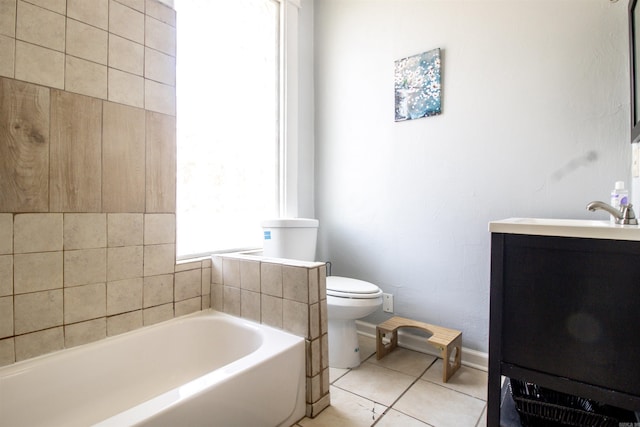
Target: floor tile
x=406, y=361
x=482, y=422
x=336, y=373
x=440, y=406
x=374, y=382
x=466, y=380
x=394, y=418
x=346, y=410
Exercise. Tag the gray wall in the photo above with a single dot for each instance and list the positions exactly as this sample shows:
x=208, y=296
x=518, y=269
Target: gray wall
x=534, y=124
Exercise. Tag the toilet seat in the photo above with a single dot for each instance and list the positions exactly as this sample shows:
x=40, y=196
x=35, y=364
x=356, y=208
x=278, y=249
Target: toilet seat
x=345, y=287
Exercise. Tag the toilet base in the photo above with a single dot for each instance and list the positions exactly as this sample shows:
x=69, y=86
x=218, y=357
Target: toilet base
x=344, y=350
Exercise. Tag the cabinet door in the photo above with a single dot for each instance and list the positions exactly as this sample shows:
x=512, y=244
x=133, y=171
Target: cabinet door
x=571, y=308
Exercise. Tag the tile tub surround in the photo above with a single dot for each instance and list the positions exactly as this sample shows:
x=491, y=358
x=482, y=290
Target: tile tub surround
x=71, y=278
x=87, y=174
x=285, y=294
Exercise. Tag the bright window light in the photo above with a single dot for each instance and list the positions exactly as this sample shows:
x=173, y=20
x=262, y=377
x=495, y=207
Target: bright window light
x=227, y=123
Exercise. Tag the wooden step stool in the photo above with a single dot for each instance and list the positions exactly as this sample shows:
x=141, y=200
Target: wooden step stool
x=446, y=340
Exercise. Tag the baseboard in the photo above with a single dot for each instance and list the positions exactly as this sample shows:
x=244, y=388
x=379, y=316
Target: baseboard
x=472, y=358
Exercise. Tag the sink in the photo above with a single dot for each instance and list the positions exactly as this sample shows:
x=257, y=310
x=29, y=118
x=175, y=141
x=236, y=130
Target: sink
x=593, y=229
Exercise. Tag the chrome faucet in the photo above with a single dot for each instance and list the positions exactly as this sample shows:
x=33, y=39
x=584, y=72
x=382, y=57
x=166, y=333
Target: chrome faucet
x=624, y=216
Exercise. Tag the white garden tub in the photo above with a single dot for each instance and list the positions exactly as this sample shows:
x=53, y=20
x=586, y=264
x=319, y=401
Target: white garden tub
x=205, y=369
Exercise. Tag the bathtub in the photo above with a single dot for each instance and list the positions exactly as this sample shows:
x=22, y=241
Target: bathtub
x=204, y=369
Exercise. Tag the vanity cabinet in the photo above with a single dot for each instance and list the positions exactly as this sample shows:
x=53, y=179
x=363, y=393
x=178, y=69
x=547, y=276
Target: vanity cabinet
x=565, y=311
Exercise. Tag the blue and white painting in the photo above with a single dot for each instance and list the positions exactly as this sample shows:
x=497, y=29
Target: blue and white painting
x=417, y=86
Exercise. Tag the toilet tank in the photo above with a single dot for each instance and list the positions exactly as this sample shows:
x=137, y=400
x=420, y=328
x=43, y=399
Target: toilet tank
x=293, y=238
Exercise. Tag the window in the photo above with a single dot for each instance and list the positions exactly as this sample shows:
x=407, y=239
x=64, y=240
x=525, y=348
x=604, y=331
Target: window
x=228, y=123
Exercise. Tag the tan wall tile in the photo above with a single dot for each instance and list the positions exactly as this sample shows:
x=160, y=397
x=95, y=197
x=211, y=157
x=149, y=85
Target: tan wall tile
x=216, y=270
x=250, y=275
x=58, y=6
x=161, y=12
x=37, y=272
x=123, y=158
x=126, y=55
x=37, y=232
x=6, y=317
x=160, y=67
x=85, y=302
x=39, y=65
x=231, y=272
x=157, y=290
x=85, y=230
x=159, y=228
x=231, y=301
x=6, y=275
x=86, y=77
x=217, y=297
x=206, y=281
x=322, y=282
x=161, y=162
x=157, y=314
x=124, y=263
x=325, y=351
x=85, y=266
x=7, y=56
x=85, y=332
x=75, y=177
x=295, y=283
x=6, y=233
x=188, y=285
x=24, y=157
x=124, y=323
x=160, y=36
x=93, y=12
x=324, y=319
x=134, y=4
x=206, y=302
x=271, y=308
x=124, y=295
x=47, y=315
x=250, y=305
x=188, y=306
x=159, y=97
x=314, y=321
x=271, y=279
x=187, y=265
x=8, y=17
x=159, y=259
x=40, y=26
x=87, y=42
x=39, y=343
x=295, y=317
x=126, y=88
x=125, y=229
x=314, y=287
x=126, y=22
x=314, y=355
x=7, y=352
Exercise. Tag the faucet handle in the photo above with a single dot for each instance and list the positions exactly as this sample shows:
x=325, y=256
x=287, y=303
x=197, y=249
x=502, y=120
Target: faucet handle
x=628, y=216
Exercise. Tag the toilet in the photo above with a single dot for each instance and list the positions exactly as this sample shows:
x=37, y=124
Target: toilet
x=347, y=299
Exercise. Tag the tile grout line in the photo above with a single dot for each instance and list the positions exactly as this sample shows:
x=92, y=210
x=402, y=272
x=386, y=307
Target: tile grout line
x=405, y=392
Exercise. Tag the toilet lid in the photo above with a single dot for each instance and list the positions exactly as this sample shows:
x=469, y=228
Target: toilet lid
x=346, y=287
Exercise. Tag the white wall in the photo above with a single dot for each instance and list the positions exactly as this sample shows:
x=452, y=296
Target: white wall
x=534, y=123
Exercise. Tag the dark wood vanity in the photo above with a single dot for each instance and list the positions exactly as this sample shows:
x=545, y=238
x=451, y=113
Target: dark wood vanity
x=565, y=309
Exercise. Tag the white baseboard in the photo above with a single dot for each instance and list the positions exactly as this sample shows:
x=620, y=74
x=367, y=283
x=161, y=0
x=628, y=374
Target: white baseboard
x=472, y=358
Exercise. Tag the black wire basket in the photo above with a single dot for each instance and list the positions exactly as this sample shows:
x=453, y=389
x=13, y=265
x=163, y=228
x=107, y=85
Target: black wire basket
x=542, y=407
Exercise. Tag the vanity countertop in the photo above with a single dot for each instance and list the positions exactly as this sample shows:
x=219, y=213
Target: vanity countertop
x=588, y=229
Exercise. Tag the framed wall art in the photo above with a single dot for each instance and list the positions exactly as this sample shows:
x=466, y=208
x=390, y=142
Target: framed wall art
x=417, y=86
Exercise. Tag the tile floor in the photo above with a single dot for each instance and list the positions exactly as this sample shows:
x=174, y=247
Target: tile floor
x=404, y=389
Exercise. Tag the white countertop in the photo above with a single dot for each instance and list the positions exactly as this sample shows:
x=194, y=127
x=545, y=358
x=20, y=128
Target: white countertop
x=566, y=228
